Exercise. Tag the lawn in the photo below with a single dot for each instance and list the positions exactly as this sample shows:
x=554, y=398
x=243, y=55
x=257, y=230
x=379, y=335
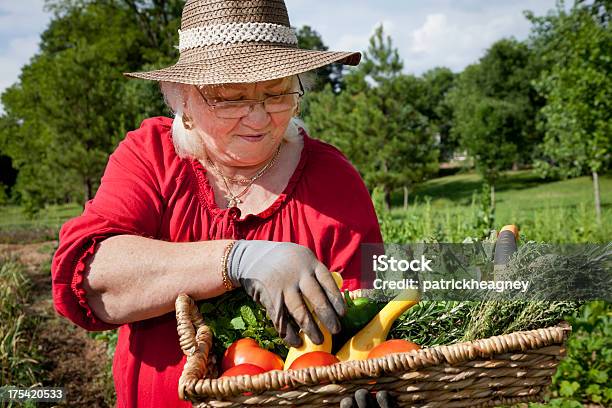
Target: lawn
x=522, y=190
x=558, y=211
x=17, y=227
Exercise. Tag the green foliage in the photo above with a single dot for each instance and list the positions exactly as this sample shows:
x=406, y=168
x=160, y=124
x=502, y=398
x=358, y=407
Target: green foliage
x=19, y=358
x=584, y=375
x=235, y=315
x=485, y=217
x=72, y=105
x=496, y=317
x=425, y=222
x=374, y=123
x=494, y=107
x=432, y=103
x=433, y=323
x=487, y=127
x=576, y=46
x=110, y=337
x=3, y=195
x=382, y=62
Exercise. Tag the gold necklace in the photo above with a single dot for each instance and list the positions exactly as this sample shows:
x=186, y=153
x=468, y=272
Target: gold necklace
x=234, y=199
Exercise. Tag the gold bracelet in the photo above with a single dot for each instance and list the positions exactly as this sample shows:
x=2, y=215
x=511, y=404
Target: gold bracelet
x=226, y=280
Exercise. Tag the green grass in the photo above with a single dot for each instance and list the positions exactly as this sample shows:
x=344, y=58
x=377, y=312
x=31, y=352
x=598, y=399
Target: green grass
x=17, y=227
x=19, y=361
x=516, y=189
x=449, y=209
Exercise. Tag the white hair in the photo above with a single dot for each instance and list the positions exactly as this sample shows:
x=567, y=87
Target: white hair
x=187, y=143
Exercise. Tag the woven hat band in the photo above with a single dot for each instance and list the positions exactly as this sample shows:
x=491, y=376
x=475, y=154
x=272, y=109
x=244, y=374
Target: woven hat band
x=235, y=33
x=200, y=13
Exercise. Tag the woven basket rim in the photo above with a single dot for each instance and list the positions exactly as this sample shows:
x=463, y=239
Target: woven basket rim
x=393, y=363
x=347, y=371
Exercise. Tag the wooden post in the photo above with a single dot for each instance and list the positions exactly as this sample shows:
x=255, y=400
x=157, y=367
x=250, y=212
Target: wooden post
x=597, y=197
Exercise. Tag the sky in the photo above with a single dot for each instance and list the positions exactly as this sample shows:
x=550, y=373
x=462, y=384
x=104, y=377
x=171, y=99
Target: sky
x=451, y=33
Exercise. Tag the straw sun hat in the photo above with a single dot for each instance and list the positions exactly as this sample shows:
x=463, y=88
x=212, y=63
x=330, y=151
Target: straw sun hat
x=240, y=41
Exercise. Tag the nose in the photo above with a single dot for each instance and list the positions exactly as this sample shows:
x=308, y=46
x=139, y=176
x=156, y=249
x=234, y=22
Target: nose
x=257, y=118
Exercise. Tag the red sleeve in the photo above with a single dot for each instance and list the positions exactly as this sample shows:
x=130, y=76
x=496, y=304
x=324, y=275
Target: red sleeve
x=128, y=201
x=349, y=255
x=341, y=197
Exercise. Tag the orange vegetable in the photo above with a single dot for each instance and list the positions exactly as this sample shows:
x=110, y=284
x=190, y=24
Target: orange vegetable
x=241, y=369
x=248, y=351
x=313, y=359
x=228, y=357
x=393, y=346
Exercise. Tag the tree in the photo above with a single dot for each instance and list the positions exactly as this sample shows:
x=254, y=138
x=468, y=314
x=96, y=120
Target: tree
x=487, y=127
x=8, y=175
x=310, y=39
x=373, y=122
x=438, y=82
x=72, y=105
x=507, y=73
x=494, y=109
x=577, y=118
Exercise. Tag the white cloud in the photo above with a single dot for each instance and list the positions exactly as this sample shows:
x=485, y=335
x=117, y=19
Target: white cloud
x=457, y=39
x=427, y=34
x=431, y=32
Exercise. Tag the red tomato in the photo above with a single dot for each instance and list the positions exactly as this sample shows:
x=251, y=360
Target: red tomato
x=242, y=369
x=228, y=357
x=393, y=346
x=252, y=355
x=313, y=359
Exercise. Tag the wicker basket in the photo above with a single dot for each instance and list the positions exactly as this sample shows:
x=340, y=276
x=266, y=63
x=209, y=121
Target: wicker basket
x=500, y=370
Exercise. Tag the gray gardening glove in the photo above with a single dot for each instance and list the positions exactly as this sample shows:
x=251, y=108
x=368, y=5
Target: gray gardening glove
x=363, y=399
x=280, y=275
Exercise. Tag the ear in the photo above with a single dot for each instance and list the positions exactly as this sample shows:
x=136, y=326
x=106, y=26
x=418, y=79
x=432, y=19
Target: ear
x=297, y=110
x=187, y=121
x=186, y=114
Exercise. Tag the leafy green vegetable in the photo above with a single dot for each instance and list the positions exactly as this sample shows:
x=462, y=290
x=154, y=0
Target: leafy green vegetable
x=583, y=377
x=235, y=315
x=248, y=315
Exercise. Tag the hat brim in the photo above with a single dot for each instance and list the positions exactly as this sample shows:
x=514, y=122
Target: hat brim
x=246, y=65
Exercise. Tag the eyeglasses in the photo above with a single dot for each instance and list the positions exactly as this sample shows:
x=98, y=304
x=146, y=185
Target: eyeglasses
x=239, y=109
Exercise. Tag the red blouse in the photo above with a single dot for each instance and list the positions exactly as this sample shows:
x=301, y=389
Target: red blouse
x=148, y=190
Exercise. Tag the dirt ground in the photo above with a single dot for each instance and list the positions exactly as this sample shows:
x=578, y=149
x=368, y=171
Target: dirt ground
x=70, y=358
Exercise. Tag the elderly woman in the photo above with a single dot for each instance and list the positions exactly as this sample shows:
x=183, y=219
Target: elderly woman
x=230, y=194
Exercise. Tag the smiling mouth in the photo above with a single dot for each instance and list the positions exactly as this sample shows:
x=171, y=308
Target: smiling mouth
x=253, y=137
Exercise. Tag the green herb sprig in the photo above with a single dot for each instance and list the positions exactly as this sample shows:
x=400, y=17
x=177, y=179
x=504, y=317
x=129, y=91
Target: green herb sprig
x=234, y=315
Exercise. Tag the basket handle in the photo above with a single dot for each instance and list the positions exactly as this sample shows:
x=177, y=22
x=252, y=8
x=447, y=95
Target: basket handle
x=195, y=338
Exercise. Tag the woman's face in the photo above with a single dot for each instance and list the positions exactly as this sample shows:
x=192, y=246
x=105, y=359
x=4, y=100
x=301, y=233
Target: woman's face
x=246, y=141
